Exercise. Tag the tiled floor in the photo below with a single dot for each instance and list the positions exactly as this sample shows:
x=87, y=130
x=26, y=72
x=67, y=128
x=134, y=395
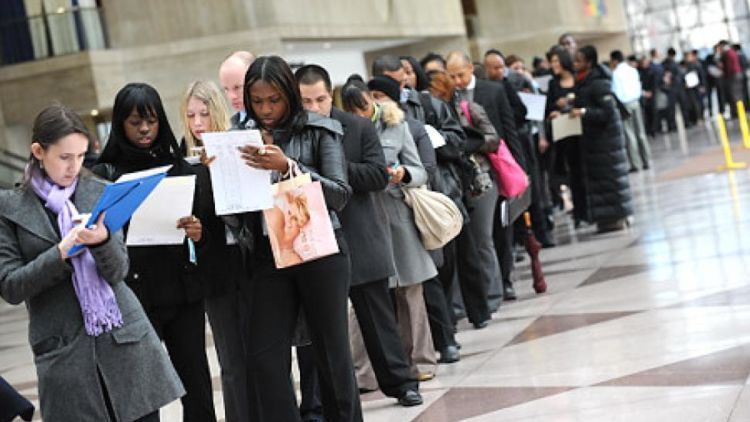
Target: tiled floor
x=650, y=324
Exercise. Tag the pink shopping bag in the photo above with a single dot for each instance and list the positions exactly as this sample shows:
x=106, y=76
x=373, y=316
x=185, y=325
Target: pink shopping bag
x=299, y=227
x=511, y=178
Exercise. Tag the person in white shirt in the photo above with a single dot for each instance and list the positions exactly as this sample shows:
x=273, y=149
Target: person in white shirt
x=626, y=85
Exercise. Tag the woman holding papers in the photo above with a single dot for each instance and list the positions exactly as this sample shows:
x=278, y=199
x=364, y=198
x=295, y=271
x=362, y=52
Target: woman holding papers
x=204, y=109
x=166, y=278
x=568, y=153
x=319, y=289
x=605, y=160
x=97, y=357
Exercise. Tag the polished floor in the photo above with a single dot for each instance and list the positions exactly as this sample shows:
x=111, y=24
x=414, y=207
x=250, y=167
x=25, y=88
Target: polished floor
x=648, y=324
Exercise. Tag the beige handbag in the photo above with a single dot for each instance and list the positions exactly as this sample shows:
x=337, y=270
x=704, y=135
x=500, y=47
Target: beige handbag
x=437, y=218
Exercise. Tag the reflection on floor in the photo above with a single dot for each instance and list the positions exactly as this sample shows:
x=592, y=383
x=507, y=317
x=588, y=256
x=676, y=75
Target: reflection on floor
x=649, y=324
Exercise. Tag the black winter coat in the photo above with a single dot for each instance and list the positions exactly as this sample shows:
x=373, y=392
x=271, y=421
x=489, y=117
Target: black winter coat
x=364, y=219
x=606, y=163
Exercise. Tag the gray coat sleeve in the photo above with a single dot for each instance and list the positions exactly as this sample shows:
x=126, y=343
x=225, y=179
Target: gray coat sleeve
x=409, y=158
x=19, y=280
x=483, y=123
x=112, y=259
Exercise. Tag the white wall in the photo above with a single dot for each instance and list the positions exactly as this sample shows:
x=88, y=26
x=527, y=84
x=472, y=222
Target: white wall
x=340, y=63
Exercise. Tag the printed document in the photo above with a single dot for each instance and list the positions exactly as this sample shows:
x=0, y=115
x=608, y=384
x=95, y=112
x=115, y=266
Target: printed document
x=237, y=187
x=155, y=221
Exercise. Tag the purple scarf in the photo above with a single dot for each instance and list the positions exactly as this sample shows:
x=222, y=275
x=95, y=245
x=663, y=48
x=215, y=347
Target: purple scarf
x=98, y=303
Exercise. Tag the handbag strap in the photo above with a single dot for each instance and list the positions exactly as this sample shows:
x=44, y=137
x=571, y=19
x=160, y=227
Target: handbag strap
x=293, y=170
x=467, y=112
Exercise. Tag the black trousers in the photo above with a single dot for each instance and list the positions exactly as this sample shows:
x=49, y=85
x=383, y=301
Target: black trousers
x=319, y=289
x=438, y=311
x=374, y=308
x=503, y=237
x=461, y=255
x=183, y=330
x=310, y=407
x=571, y=155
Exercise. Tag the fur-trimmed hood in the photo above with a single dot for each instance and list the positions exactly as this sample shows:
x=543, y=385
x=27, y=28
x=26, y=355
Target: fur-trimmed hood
x=391, y=114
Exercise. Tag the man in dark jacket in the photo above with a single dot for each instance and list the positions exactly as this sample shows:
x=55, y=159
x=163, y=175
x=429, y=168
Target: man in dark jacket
x=494, y=98
x=369, y=240
x=513, y=83
x=652, y=80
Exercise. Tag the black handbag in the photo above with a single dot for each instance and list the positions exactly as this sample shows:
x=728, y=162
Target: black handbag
x=478, y=168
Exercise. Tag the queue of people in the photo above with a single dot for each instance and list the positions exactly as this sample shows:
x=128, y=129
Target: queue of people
x=98, y=317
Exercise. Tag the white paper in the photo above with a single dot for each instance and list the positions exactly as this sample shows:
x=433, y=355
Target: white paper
x=193, y=160
x=535, y=105
x=435, y=137
x=144, y=173
x=692, y=80
x=543, y=82
x=155, y=221
x=237, y=187
x=563, y=127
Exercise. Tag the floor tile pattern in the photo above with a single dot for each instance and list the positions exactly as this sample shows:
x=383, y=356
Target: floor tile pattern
x=648, y=324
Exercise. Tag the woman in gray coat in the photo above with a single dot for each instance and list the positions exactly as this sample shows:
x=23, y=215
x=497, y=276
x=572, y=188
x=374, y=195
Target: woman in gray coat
x=413, y=263
x=96, y=354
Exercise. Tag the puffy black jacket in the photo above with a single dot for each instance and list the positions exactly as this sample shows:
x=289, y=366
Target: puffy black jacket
x=606, y=162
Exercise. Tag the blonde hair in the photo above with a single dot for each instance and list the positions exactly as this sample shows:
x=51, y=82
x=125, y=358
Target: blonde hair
x=211, y=96
x=298, y=207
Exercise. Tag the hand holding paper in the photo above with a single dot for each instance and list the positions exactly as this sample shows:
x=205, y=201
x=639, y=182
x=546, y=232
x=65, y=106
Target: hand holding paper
x=237, y=187
x=121, y=199
x=265, y=157
x=192, y=226
x=82, y=235
x=565, y=126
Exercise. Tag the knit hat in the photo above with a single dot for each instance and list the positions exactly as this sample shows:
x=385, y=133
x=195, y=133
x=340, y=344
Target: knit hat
x=387, y=86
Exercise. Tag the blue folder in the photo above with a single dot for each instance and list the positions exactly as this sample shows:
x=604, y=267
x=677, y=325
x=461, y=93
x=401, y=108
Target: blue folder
x=120, y=200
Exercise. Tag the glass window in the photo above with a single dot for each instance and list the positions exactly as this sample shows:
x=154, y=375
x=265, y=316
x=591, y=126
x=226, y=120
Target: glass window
x=657, y=5
x=687, y=15
x=712, y=12
x=687, y=23
x=35, y=29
